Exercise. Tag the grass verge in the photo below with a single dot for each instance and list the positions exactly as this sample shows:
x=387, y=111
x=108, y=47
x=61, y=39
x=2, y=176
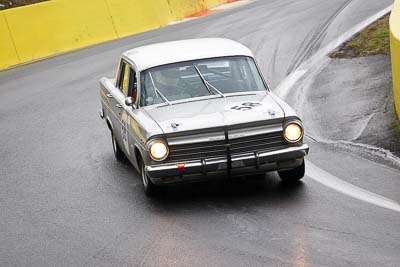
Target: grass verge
x=374, y=40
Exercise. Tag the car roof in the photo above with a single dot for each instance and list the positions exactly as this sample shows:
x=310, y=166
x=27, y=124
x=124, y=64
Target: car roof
x=149, y=56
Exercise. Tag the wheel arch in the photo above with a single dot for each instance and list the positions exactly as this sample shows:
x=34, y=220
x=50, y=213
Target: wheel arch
x=109, y=124
x=138, y=158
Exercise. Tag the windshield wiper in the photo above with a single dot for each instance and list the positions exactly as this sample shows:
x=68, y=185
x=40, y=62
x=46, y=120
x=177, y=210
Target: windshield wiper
x=207, y=84
x=158, y=92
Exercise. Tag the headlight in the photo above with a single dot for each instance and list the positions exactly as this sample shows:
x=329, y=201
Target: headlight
x=158, y=150
x=293, y=132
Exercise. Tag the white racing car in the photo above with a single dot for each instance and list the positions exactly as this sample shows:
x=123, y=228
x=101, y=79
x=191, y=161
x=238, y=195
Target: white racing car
x=198, y=109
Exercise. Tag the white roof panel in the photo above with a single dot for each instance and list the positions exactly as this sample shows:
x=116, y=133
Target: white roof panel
x=149, y=56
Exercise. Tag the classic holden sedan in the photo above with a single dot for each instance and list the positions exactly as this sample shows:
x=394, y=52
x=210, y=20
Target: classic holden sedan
x=199, y=109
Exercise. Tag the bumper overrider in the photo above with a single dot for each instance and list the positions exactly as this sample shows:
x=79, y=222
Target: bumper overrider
x=235, y=165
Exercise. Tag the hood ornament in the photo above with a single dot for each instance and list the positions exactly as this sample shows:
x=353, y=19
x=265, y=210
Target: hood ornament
x=271, y=112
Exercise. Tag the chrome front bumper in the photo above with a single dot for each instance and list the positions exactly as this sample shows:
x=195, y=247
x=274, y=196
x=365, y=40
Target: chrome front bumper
x=245, y=164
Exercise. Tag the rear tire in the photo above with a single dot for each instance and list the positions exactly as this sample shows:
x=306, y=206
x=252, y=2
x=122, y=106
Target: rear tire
x=293, y=175
x=149, y=188
x=118, y=153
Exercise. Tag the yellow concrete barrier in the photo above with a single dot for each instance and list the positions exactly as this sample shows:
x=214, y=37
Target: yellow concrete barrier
x=37, y=31
x=57, y=26
x=395, y=52
x=184, y=8
x=135, y=16
x=213, y=3
x=8, y=53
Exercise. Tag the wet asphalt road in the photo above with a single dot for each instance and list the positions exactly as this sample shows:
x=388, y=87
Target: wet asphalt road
x=66, y=201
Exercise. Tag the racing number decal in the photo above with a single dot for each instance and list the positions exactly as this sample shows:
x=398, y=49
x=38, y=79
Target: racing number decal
x=124, y=131
x=246, y=106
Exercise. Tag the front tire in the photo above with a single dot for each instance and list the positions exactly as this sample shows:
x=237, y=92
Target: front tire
x=149, y=188
x=293, y=175
x=118, y=153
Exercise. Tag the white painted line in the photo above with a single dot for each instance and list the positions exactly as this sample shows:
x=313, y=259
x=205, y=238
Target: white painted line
x=181, y=21
x=386, y=155
x=284, y=87
x=312, y=171
x=346, y=188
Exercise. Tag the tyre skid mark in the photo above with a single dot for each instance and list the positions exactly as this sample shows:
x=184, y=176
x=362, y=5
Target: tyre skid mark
x=317, y=36
x=304, y=68
x=283, y=89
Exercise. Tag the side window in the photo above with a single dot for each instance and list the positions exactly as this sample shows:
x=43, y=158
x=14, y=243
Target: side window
x=124, y=78
x=127, y=80
x=132, y=91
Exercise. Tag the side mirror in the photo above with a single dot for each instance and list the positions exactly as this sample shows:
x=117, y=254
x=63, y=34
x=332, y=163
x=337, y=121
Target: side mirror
x=129, y=101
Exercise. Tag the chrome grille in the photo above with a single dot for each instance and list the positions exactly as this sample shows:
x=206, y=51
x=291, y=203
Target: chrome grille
x=203, y=150
x=217, y=149
x=257, y=143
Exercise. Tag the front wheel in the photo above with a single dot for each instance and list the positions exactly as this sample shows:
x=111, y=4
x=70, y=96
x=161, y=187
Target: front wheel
x=148, y=187
x=293, y=175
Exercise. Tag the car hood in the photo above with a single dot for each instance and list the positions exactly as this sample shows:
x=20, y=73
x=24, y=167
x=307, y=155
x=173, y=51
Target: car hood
x=216, y=112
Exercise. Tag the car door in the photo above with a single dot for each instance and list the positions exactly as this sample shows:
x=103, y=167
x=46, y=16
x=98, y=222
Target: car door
x=128, y=117
x=128, y=87
x=119, y=95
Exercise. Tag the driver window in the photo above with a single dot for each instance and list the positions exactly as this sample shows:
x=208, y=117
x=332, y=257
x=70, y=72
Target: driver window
x=132, y=90
x=124, y=79
x=127, y=81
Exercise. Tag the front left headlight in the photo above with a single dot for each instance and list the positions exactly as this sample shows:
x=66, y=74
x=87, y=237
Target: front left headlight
x=158, y=150
x=293, y=132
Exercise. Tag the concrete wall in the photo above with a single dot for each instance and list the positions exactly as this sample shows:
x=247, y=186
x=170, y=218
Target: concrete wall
x=395, y=52
x=45, y=29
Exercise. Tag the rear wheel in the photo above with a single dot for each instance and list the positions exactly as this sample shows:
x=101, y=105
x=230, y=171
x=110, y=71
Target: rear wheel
x=148, y=187
x=293, y=175
x=118, y=153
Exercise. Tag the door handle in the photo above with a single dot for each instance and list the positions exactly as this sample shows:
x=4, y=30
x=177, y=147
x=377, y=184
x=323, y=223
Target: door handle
x=109, y=95
x=118, y=106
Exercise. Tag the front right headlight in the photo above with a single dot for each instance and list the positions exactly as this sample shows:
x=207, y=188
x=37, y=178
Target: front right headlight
x=293, y=132
x=158, y=150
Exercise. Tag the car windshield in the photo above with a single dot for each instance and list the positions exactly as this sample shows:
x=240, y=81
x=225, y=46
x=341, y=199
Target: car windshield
x=216, y=76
